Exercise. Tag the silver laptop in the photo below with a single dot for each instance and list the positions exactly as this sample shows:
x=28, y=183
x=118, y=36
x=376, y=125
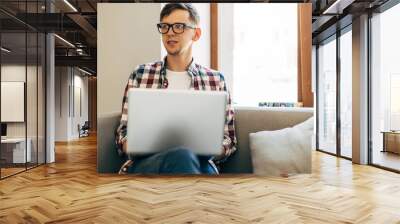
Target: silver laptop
x=163, y=119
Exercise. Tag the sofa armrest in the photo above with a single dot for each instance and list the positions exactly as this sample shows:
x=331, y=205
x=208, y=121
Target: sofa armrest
x=108, y=160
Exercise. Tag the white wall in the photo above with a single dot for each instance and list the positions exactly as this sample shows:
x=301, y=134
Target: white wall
x=62, y=81
x=124, y=42
x=17, y=73
x=127, y=36
x=83, y=82
x=34, y=106
x=67, y=80
x=79, y=117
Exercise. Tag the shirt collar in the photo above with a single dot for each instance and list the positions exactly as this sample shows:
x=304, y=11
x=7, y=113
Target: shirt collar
x=192, y=69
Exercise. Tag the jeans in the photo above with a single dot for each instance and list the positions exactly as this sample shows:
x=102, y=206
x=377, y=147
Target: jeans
x=173, y=161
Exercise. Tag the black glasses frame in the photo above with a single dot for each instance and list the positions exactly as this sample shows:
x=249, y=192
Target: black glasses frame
x=172, y=26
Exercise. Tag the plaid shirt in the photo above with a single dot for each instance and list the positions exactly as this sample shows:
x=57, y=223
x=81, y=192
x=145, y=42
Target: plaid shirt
x=153, y=75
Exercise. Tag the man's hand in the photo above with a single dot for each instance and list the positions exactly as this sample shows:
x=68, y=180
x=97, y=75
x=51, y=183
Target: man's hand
x=125, y=166
x=129, y=162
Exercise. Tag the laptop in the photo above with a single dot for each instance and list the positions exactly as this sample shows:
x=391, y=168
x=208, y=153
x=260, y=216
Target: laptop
x=163, y=119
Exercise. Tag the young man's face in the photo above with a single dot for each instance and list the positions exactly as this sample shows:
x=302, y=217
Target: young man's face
x=177, y=44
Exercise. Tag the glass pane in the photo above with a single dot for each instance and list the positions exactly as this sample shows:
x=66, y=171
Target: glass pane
x=386, y=89
x=346, y=94
x=264, y=53
x=22, y=79
x=41, y=98
x=13, y=85
x=31, y=100
x=327, y=96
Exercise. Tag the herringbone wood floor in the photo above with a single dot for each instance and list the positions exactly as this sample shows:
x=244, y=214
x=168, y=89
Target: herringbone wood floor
x=70, y=191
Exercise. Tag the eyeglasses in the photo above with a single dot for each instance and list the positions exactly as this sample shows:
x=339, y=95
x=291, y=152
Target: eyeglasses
x=177, y=28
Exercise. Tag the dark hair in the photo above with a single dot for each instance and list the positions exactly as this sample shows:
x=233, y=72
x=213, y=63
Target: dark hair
x=170, y=7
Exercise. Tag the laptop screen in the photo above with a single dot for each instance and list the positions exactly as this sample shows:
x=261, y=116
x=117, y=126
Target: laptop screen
x=3, y=129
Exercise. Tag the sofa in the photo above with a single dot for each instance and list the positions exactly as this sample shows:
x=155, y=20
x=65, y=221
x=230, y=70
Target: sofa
x=247, y=120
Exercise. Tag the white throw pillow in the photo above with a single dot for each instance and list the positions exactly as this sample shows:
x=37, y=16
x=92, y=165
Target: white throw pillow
x=282, y=152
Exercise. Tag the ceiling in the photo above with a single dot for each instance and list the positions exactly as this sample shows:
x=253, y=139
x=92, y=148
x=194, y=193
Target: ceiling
x=76, y=22
x=332, y=15
x=77, y=25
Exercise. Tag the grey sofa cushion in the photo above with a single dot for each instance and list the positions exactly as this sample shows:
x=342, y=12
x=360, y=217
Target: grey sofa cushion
x=248, y=120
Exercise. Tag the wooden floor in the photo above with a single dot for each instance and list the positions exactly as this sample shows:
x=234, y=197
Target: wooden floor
x=8, y=171
x=5, y=172
x=70, y=191
x=387, y=159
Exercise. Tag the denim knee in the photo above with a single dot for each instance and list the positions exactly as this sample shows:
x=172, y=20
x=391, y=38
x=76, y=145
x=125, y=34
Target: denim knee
x=181, y=160
x=181, y=153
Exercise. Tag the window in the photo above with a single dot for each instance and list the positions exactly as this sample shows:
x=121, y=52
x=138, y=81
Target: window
x=385, y=87
x=22, y=66
x=264, y=53
x=327, y=96
x=394, y=102
x=346, y=94
x=334, y=106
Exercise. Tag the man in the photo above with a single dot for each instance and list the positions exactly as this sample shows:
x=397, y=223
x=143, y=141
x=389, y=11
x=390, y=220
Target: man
x=179, y=28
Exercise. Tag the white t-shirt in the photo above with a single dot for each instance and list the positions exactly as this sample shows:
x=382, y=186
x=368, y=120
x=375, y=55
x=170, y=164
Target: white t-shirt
x=178, y=80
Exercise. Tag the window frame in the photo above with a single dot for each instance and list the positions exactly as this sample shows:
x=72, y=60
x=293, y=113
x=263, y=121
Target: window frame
x=379, y=10
x=333, y=37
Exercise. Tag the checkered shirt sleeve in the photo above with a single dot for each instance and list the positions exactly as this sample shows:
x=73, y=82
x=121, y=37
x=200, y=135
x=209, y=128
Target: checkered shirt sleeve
x=120, y=134
x=229, y=142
